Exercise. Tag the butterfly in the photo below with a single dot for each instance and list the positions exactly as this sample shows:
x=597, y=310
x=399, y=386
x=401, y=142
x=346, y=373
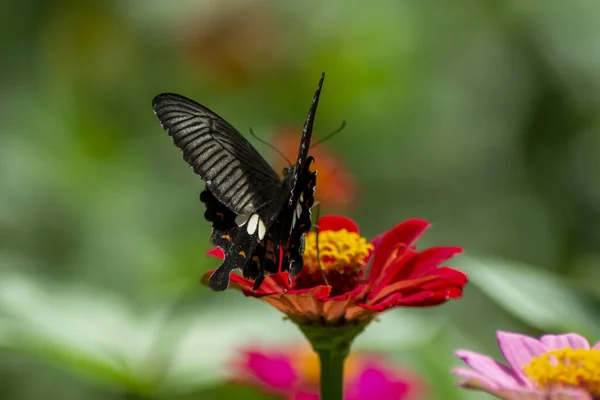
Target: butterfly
x=258, y=219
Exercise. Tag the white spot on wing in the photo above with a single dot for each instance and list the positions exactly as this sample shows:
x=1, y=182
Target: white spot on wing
x=252, y=224
x=298, y=210
x=241, y=219
x=293, y=222
x=301, y=196
x=262, y=229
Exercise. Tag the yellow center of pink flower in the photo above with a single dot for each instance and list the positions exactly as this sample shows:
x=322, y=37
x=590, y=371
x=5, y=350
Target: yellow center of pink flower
x=567, y=368
x=309, y=368
x=338, y=261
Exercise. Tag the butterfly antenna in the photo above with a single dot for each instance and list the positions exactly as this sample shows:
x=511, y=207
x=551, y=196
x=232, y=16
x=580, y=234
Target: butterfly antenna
x=270, y=145
x=338, y=130
x=318, y=205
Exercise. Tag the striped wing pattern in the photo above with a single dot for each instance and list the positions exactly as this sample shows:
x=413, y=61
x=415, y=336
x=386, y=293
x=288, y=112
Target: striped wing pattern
x=233, y=170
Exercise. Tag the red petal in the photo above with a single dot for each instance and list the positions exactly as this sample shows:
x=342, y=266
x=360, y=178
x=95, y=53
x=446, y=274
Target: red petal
x=415, y=265
x=403, y=234
x=447, y=277
x=434, y=291
x=204, y=279
x=321, y=292
x=300, y=305
x=434, y=256
x=351, y=294
x=336, y=223
x=419, y=299
x=403, y=286
x=275, y=284
x=433, y=298
x=216, y=252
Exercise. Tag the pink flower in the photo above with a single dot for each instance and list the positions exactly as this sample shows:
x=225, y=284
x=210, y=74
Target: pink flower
x=293, y=374
x=557, y=367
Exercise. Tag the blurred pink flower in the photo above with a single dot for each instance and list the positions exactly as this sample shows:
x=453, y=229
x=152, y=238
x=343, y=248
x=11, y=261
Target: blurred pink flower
x=557, y=367
x=293, y=374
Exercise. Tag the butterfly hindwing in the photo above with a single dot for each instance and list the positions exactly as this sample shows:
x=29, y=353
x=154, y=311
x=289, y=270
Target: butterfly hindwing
x=245, y=241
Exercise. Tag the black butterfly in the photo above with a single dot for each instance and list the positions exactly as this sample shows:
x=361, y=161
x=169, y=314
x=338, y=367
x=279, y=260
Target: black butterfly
x=254, y=214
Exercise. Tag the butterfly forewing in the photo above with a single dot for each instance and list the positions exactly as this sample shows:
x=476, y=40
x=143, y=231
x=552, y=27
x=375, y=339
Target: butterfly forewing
x=233, y=170
x=305, y=142
x=298, y=219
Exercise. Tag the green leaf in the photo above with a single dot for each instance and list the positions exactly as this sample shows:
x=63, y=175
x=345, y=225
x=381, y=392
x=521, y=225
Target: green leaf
x=107, y=339
x=401, y=329
x=540, y=298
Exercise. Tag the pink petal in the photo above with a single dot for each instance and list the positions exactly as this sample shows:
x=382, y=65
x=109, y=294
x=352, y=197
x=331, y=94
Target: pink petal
x=274, y=371
x=569, y=340
x=477, y=381
x=474, y=379
x=518, y=350
x=596, y=346
x=304, y=395
x=534, y=395
x=374, y=382
x=574, y=395
x=495, y=371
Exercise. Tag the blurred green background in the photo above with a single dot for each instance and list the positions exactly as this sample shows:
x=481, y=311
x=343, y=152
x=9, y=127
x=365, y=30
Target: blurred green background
x=479, y=116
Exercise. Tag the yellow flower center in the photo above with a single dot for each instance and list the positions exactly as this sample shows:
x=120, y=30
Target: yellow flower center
x=309, y=367
x=339, y=261
x=567, y=367
x=338, y=250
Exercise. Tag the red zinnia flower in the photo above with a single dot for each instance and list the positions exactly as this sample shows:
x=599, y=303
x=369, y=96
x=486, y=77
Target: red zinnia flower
x=337, y=186
x=293, y=374
x=354, y=280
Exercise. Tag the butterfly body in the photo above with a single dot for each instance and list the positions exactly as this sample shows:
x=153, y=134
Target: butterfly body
x=258, y=219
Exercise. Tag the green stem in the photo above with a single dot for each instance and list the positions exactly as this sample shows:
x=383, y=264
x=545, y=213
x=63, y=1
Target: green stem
x=332, y=374
x=332, y=344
